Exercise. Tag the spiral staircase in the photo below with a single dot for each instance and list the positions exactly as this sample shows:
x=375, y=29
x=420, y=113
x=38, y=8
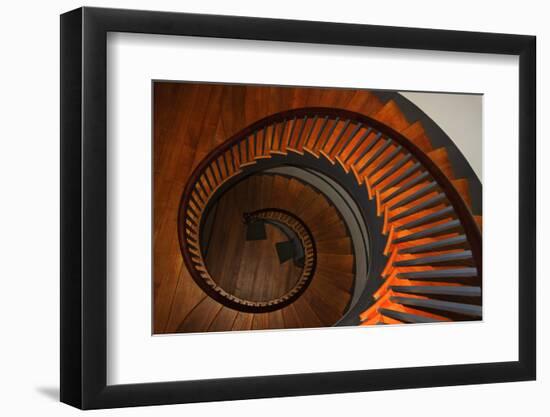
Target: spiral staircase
x=312, y=216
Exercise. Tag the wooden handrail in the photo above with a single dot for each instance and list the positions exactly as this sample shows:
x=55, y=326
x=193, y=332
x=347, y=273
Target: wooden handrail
x=276, y=215
x=200, y=197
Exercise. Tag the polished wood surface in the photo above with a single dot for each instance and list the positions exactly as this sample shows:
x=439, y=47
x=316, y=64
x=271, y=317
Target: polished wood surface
x=189, y=121
x=248, y=269
x=192, y=119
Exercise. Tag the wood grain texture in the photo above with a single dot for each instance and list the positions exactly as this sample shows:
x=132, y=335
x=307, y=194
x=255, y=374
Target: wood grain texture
x=190, y=120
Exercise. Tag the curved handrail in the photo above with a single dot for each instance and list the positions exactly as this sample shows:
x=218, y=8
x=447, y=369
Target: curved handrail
x=463, y=212
x=305, y=236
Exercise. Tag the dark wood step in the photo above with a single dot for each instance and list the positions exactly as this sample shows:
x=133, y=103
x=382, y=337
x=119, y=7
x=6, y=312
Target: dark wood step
x=368, y=147
x=403, y=176
x=323, y=126
x=306, y=315
x=450, y=243
x=387, y=159
x=456, y=290
x=427, y=189
x=311, y=129
x=330, y=132
x=300, y=134
x=431, y=202
x=436, y=274
x=460, y=308
x=406, y=317
x=393, y=169
x=438, y=230
x=359, y=143
x=375, y=156
x=350, y=137
x=340, y=135
x=446, y=258
x=407, y=186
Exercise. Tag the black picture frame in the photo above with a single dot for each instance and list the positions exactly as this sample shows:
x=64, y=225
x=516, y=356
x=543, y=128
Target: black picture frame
x=84, y=207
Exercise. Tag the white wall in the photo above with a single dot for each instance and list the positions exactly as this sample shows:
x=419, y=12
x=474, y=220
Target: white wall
x=460, y=117
x=29, y=175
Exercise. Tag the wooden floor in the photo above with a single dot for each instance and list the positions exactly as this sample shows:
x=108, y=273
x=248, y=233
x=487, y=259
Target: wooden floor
x=189, y=121
x=247, y=269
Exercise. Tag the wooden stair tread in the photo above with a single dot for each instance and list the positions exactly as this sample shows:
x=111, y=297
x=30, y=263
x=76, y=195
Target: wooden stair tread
x=187, y=296
x=332, y=295
x=224, y=321
x=479, y=221
x=307, y=316
x=290, y=317
x=260, y=321
x=243, y=321
x=340, y=246
x=326, y=312
x=463, y=188
x=201, y=316
x=391, y=115
x=416, y=134
x=365, y=102
x=441, y=159
x=339, y=262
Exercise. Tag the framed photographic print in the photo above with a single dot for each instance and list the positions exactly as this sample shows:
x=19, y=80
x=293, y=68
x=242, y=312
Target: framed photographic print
x=257, y=208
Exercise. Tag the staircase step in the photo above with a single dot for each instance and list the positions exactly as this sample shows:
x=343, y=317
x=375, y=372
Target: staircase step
x=343, y=280
x=446, y=258
x=432, y=202
x=350, y=137
x=367, y=149
x=201, y=316
x=441, y=229
x=330, y=132
x=479, y=221
x=243, y=321
x=317, y=136
x=358, y=143
x=463, y=188
x=306, y=314
x=260, y=321
x=365, y=102
x=336, y=141
x=342, y=263
x=403, y=176
x=396, y=167
x=392, y=116
x=310, y=130
x=436, y=274
x=430, y=218
x=416, y=134
x=275, y=320
x=407, y=186
x=290, y=133
x=460, y=308
x=290, y=317
x=299, y=143
x=449, y=243
x=375, y=155
x=341, y=246
x=441, y=158
x=406, y=317
x=382, y=164
x=425, y=190
x=224, y=320
x=456, y=290
x=326, y=313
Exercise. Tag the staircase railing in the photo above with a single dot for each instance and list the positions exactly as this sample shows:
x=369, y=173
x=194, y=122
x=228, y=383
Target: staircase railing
x=352, y=140
x=282, y=217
